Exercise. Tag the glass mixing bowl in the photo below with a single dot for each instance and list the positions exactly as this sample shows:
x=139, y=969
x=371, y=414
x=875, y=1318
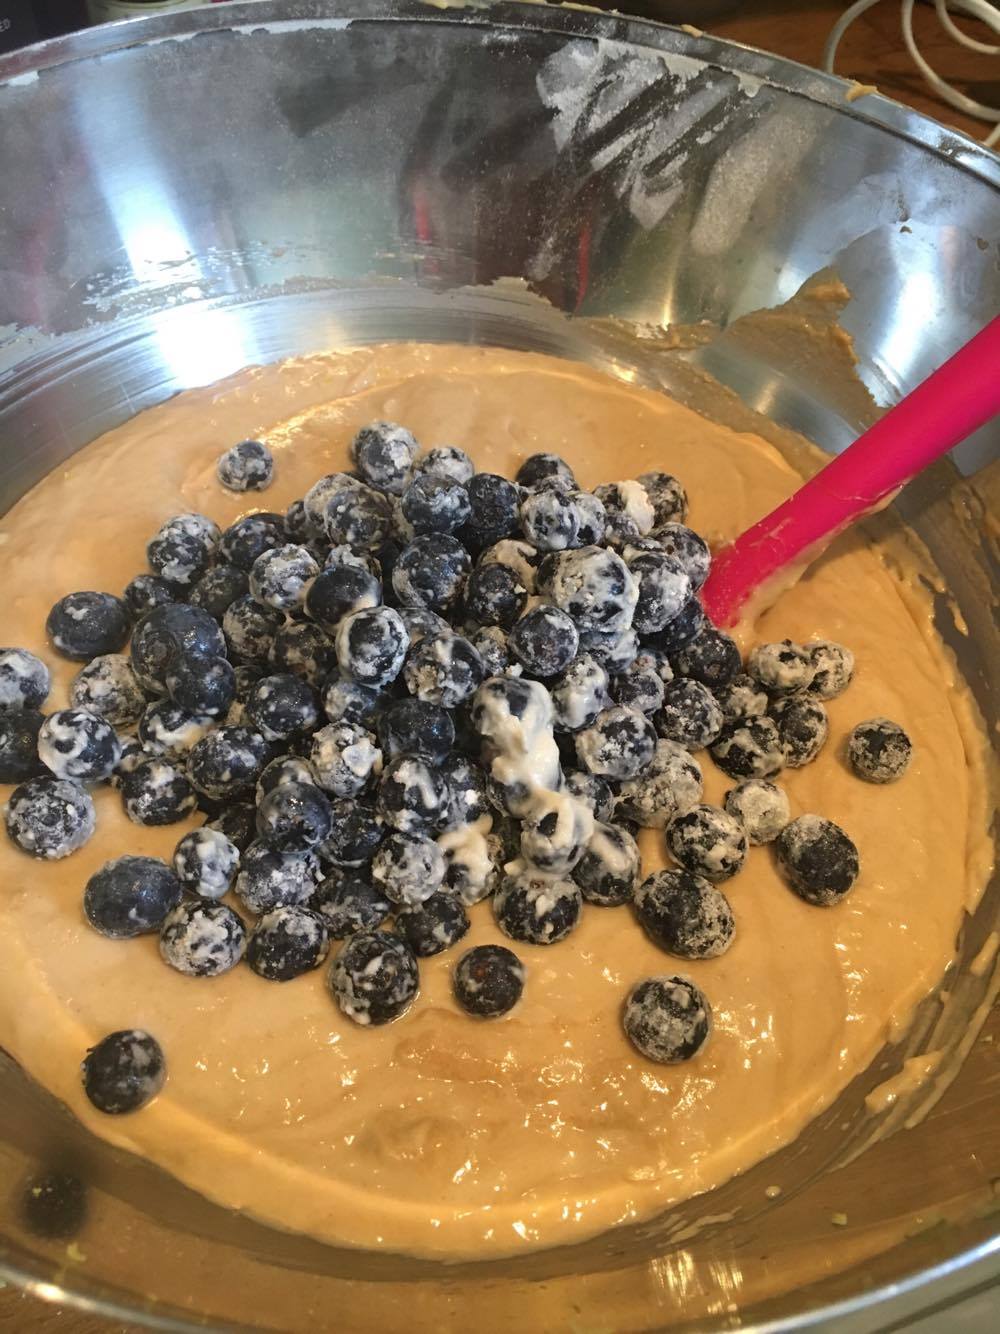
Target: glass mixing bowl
x=185, y=196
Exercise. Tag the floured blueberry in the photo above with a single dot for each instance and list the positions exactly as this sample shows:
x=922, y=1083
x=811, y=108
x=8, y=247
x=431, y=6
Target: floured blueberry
x=833, y=668
x=803, y=728
x=286, y=943
x=664, y=588
x=474, y=860
x=238, y=821
x=375, y=977
x=467, y=789
x=360, y=518
x=172, y=630
x=545, y=641
x=678, y=631
x=281, y=577
x=156, y=792
x=494, y=504
x=413, y=797
x=537, y=909
x=355, y=834
x=639, y=686
x=608, y=870
x=819, y=860
x=346, y=701
x=550, y=519
x=520, y=557
x=708, y=841
x=205, y=862
x=271, y=879
x=544, y=469
x=762, y=809
x=594, y=792
x=434, y=925
x=248, y=538
x=384, y=454
x=123, y=1072
x=690, y=714
x=371, y=646
x=183, y=548
x=495, y=594
x=304, y=650
x=202, y=686
x=19, y=746
x=24, y=680
x=672, y=783
x=431, y=572
x=667, y=1019
x=555, y=840
x=282, y=706
x=685, y=914
x=108, y=687
x=250, y=629
x=686, y=546
x=628, y=509
x=167, y=729
x=489, y=981
x=445, y=461
x=147, y=591
x=667, y=496
x=491, y=643
x=751, y=749
x=75, y=744
x=741, y=698
x=218, y=588
x=433, y=503
x=416, y=727
x=294, y=817
x=349, y=904
x=782, y=668
x=711, y=657
x=593, y=586
x=340, y=590
x=620, y=744
x=345, y=759
x=408, y=868
x=227, y=762
x=443, y=670
x=130, y=896
x=879, y=750
x=614, y=652
x=202, y=938
x=284, y=769
x=85, y=625
x=579, y=694
x=248, y=466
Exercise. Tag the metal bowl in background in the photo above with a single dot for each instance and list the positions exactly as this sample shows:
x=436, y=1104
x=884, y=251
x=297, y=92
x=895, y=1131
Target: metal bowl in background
x=185, y=196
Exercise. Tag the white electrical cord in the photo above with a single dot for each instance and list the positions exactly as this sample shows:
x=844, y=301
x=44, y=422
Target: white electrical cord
x=986, y=12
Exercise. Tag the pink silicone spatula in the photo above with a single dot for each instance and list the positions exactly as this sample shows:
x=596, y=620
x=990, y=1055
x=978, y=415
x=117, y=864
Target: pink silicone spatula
x=956, y=400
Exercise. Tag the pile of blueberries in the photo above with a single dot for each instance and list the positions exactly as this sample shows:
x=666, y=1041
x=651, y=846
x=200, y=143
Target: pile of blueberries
x=324, y=685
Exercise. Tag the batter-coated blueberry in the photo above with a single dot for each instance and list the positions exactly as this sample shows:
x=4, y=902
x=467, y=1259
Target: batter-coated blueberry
x=579, y=694
x=339, y=591
x=250, y=629
x=593, y=586
x=282, y=576
x=640, y=686
x=494, y=503
x=741, y=698
x=202, y=938
x=543, y=470
x=445, y=461
x=413, y=797
x=664, y=588
x=670, y=785
x=628, y=509
x=360, y=518
x=711, y=657
x=202, y=686
x=667, y=497
x=495, y=594
x=594, y=792
x=435, y=504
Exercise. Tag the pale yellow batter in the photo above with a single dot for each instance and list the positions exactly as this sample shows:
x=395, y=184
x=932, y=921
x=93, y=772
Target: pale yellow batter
x=439, y=1134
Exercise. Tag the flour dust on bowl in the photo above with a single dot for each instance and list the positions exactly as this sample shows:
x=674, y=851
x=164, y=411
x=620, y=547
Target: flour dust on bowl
x=472, y=222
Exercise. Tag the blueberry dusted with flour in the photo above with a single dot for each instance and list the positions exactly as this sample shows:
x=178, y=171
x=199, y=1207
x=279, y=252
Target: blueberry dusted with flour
x=358, y=517
x=591, y=518
x=168, y=730
x=286, y=943
x=579, y=694
x=593, y=586
x=495, y=594
x=752, y=749
x=819, y=860
x=781, y=669
x=434, y=925
x=431, y=572
x=537, y=909
x=688, y=548
x=168, y=632
x=803, y=728
x=371, y=646
x=304, y=650
x=620, y=744
x=50, y=817
x=250, y=629
x=879, y=751
x=130, y=896
x=205, y=862
x=156, y=792
x=614, y=652
x=123, y=1072
x=19, y=746
x=374, y=978
x=384, y=455
x=108, y=687
x=345, y=759
x=741, y=698
x=833, y=668
x=202, y=686
x=238, y=821
x=24, y=680
x=248, y=538
x=147, y=591
x=667, y=497
x=282, y=706
x=416, y=727
x=85, y=625
x=518, y=556
x=340, y=590
x=550, y=519
x=543, y=470
x=443, y=670
x=609, y=868
x=678, y=631
x=202, y=938
x=664, y=588
x=489, y=981
x=421, y=622
x=667, y=1019
x=468, y=799
x=346, y=701
x=493, y=647
x=594, y=792
x=670, y=785
x=711, y=657
x=293, y=817
x=628, y=510
x=553, y=840
x=75, y=744
x=281, y=577
x=183, y=548
x=248, y=466
x=445, y=461
x=227, y=762
x=761, y=807
x=433, y=503
x=494, y=503
x=640, y=686
x=408, y=868
x=218, y=588
x=413, y=797
x=685, y=914
x=708, y=841
x=283, y=769
x=271, y=879
x=473, y=860
x=349, y=904
x=544, y=641
x=690, y=715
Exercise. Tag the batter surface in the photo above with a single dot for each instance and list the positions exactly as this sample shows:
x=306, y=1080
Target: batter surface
x=439, y=1134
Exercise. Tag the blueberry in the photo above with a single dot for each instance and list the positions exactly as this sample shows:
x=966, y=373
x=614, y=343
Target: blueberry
x=205, y=862
x=183, y=548
x=305, y=651
x=667, y=496
x=147, y=591
x=678, y=631
x=339, y=591
x=579, y=694
x=408, y=868
x=554, y=840
x=752, y=749
x=550, y=520
x=371, y=646
x=761, y=808
x=108, y=687
x=819, y=860
x=130, y=896
x=248, y=538
x=155, y=792
x=133, y=753
x=879, y=750
x=431, y=572
x=284, y=769
x=202, y=686
x=436, y=504
x=467, y=788
x=620, y=744
x=489, y=981
x=685, y=914
x=24, y=680
x=384, y=454
x=238, y=821
x=687, y=547
x=495, y=595
x=202, y=938
x=609, y=868
x=173, y=630
x=270, y=879
x=345, y=759
x=664, y=588
x=494, y=504
x=218, y=588
x=413, y=797
x=358, y=517
x=281, y=577
x=473, y=860
x=542, y=469
x=49, y=817
x=75, y=744
x=670, y=785
x=124, y=1071
x=250, y=628
x=248, y=466
x=282, y=706
x=639, y=686
x=593, y=586
x=538, y=910
x=168, y=730
x=591, y=519
x=319, y=495
x=667, y=1019
x=19, y=746
x=434, y=925
x=445, y=461
x=293, y=817
x=443, y=671
x=420, y=622
x=299, y=525
x=521, y=558
x=781, y=669
x=53, y=1205
x=708, y=841
x=227, y=762
x=595, y=792
x=614, y=652
x=375, y=977
x=628, y=509
x=802, y=727
x=690, y=715
x=741, y=699
x=349, y=904
x=348, y=702
x=286, y=943
x=85, y=625
x=416, y=727
x=492, y=645
x=711, y=657
x=545, y=641
x=833, y=668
